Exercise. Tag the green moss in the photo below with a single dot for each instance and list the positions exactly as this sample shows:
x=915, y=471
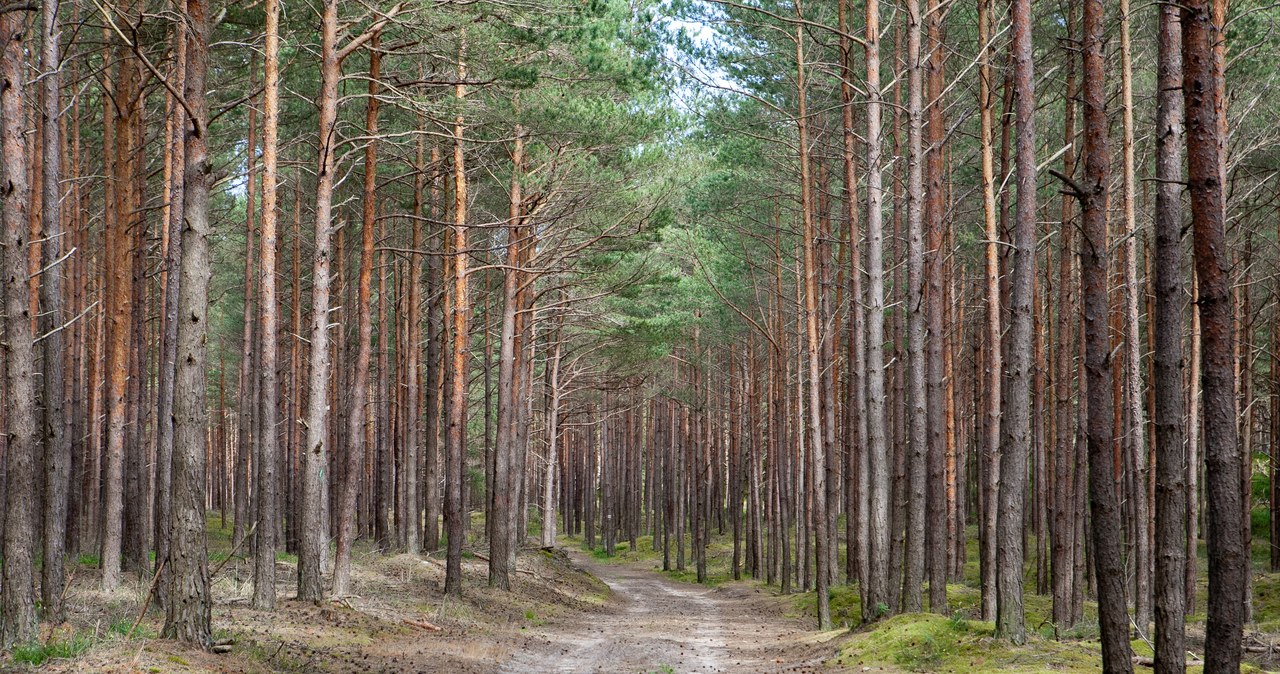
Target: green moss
x=930, y=642
x=845, y=601
x=1266, y=601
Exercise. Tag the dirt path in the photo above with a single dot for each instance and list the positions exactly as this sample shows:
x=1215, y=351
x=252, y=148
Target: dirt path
x=655, y=624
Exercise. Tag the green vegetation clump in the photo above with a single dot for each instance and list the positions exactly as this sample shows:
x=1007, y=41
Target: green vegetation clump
x=926, y=642
x=36, y=654
x=846, y=605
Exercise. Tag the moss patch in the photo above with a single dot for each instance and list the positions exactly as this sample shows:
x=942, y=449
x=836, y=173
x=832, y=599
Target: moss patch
x=933, y=643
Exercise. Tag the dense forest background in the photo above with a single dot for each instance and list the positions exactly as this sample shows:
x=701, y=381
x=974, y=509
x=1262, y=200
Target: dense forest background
x=893, y=295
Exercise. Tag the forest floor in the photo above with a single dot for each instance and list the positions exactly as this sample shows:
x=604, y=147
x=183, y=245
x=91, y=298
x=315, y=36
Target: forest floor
x=570, y=610
x=567, y=612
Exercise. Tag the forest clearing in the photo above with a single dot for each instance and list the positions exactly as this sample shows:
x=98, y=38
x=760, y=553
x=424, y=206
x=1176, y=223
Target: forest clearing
x=639, y=335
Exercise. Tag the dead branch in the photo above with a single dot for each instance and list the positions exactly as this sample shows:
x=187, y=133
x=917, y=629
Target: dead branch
x=146, y=603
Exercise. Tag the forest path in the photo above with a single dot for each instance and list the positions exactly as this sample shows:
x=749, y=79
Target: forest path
x=655, y=624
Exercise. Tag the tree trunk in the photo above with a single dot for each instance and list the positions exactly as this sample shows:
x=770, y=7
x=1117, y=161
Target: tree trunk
x=1168, y=361
x=935, y=298
x=21, y=423
x=56, y=440
x=411, y=530
x=1103, y=503
x=815, y=366
x=455, y=443
x=553, y=439
x=1016, y=427
x=170, y=282
x=246, y=412
x=435, y=365
x=268, y=515
x=187, y=614
x=356, y=420
x=1201, y=69
x=504, y=496
x=1195, y=459
x=292, y=458
x=136, y=504
x=988, y=486
x=1065, y=513
x=875, y=585
x=119, y=234
x=314, y=528
x=917, y=441
x=856, y=491
x=384, y=466
x=1136, y=434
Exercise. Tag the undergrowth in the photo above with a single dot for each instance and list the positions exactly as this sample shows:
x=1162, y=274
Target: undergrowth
x=36, y=654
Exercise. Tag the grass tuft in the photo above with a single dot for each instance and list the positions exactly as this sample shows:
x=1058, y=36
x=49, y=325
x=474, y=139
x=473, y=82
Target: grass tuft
x=36, y=654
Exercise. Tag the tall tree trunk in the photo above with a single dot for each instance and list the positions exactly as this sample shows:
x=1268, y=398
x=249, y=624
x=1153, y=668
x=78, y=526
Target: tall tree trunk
x=1016, y=427
x=1103, y=503
x=384, y=467
x=1273, y=461
x=268, y=516
x=187, y=614
x=170, y=281
x=455, y=444
x=526, y=345
x=1244, y=356
x=250, y=379
x=935, y=299
x=119, y=232
x=988, y=486
x=435, y=365
x=875, y=585
x=412, y=512
x=1168, y=362
x=553, y=437
x=1065, y=513
x=314, y=530
x=813, y=348
x=136, y=503
x=245, y=410
x=21, y=422
x=856, y=488
x=1195, y=458
x=917, y=441
x=1202, y=84
x=504, y=496
x=57, y=441
x=356, y=420
x=1136, y=433
x=76, y=516
x=291, y=461
x=778, y=436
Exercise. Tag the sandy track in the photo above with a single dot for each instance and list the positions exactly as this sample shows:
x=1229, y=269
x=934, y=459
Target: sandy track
x=655, y=624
